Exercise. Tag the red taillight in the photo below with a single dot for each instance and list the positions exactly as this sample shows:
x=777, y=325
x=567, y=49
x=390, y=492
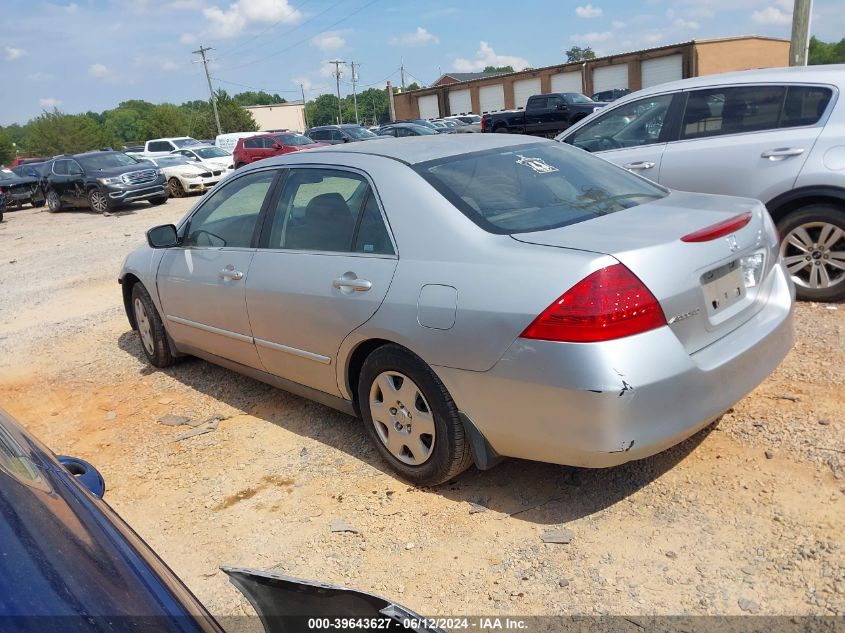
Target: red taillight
x=608, y=304
x=718, y=230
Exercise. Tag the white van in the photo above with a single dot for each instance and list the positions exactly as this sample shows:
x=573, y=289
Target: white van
x=228, y=141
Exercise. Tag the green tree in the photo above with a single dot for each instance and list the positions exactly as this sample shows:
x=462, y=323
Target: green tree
x=165, y=120
x=414, y=86
x=498, y=69
x=58, y=133
x=233, y=117
x=826, y=52
x=125, y=124
x=7, y=151
x=322, y=110
x=578, y=54
x=260, y=97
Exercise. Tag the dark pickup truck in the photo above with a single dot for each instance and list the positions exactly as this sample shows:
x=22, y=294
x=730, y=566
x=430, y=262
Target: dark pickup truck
x=544, y=115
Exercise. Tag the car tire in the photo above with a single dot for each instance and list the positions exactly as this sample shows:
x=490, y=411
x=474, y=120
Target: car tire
x=175, y=188
x=813, y=250
x=390, y=376
x=37, y=203
x=150, y=328
x=158, y=200
x=54, y=203
x=502, y=130
x=98, y=201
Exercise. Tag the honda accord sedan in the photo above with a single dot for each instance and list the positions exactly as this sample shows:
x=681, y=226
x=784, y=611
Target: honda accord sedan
x=473, y=297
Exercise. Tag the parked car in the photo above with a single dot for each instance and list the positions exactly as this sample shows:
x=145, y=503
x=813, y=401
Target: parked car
x=335, y=134
x=440, y=129
x=68, y=562
x=467, y=118
x=405, y=129
x=610, y=95
x=2, y=205
x=534, y=285
x=462, y=127
x=101, y=181
x=185, y=176
x=772, y=134
x=227, y=142
x=164, y=146
x=20, y=190
x=23, y=160
x=31, y=170
x=544, y=115
x=208, y=156
x=254, y=148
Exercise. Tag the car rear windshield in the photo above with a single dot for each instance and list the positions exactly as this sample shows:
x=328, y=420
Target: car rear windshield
x=293, y=139
x=106, y=160
x=535, y=187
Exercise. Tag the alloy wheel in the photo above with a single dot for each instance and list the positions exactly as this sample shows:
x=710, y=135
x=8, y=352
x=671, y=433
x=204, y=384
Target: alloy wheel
x=53, y=203
x=402, y=418
x=814, y=255
x=144, y=327
x=98, y=201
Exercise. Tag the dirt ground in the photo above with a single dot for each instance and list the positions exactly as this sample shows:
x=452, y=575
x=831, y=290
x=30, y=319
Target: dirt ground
x=745, y=517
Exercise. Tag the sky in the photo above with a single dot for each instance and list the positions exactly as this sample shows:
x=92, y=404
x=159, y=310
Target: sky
x=92, y=54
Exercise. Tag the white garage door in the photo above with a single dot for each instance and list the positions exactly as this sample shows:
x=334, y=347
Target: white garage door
x=610, y=78
x=491, y=98
x=460, y=102
x=523, y=89
x=662, y=69
x=429, y=108
x=567, y=82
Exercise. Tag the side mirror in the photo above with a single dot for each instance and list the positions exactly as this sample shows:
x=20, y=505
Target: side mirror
x=562, y=107
x=163, y=236
x=85, y=474
x=277, y=146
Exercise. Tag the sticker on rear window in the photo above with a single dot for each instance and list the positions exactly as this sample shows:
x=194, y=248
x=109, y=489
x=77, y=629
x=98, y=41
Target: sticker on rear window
x=537, y=164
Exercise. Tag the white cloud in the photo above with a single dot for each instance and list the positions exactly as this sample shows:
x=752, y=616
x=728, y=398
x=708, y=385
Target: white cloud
x=618, y=24
x=328, y=41
x=169, y=66
x=243, y=13
x=589, y=11
x=420, y=37
x=100, y=71
x=72, y=7
x=592, y=37
x=14, y=53
x=49, y=103
x=188, y=38
x=690, y=25
x=41, y=77
x=486, y=56
x=772, y=15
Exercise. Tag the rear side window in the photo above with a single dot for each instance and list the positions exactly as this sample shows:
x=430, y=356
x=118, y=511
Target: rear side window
x=160, y=146
x=60, y=168
x=252, y=143
x=535, y=187
x=804, y=105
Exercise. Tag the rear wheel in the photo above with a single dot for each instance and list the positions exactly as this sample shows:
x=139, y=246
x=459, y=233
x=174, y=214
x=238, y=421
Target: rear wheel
x=54, y=203
x=150, y=328
x=501, y=130
x=175, y=188
x=411, y=418
x=813, y=249
x=98, y=201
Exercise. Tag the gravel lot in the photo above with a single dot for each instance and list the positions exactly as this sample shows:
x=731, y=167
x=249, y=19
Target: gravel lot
x=745, y=517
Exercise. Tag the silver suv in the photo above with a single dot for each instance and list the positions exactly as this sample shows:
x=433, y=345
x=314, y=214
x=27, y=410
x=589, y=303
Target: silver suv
x=777, y=135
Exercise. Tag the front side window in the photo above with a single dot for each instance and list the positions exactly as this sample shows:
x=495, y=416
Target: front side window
x=359, y=133
x=292, y=139
x=720, y=111
x=229, y=217
x=634, y=124
x=535, y=187
x=60, y=167
x=318, y=211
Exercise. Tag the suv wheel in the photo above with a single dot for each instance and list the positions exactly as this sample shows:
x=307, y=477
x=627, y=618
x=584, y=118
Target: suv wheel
x=813, y=249
x=98, y=201
x=54, y=203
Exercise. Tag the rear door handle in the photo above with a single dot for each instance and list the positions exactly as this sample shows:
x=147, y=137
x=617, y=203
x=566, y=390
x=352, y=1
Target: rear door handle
x=782, y=152
x=230, y=273
x=643, y=164
x=350, y=282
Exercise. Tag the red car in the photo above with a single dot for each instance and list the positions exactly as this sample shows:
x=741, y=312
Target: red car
x=253, y=148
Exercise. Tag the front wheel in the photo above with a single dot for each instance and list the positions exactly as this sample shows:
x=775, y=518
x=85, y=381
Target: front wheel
x=150, y=328
x=411, y=418
x=98, y=201
x=158, y=200
x=813, y=249
x=54, y=203
x=175, y=188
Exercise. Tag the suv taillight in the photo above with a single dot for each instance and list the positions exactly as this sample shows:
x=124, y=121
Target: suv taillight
x=607, y=304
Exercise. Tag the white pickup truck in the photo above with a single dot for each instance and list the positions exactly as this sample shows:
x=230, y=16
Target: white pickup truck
x=164, y=146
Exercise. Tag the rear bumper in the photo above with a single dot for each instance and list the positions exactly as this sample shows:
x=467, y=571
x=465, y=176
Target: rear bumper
x=602, y=404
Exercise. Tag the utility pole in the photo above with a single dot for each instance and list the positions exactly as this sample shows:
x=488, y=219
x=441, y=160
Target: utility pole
x=304, y=109
x=799, y=45
x=337, y=63
x=354, y=93
x=201, y=52
x=402, y=74
x=390, y=104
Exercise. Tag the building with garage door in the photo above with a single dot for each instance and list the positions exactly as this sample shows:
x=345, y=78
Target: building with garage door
x=461, y=93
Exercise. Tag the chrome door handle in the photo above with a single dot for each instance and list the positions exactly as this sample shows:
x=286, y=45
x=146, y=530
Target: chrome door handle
x=782, y=152
x=643, y=164
x=352, y=283
x=231, y=273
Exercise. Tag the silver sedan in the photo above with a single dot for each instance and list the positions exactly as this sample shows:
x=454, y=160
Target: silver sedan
x=473, y=297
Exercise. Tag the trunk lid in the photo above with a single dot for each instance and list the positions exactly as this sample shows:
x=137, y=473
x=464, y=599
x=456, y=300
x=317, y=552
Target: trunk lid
x=704, y=288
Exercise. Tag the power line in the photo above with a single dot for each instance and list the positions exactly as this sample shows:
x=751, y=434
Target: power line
x=235, y=83
x=302, y=41
x=201, y=53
